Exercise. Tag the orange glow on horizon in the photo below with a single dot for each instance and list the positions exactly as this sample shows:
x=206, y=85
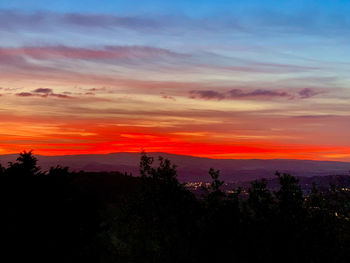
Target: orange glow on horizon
x=136, y=142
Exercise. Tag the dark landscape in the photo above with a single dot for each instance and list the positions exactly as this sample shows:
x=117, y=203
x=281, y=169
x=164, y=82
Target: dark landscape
x=63, y=216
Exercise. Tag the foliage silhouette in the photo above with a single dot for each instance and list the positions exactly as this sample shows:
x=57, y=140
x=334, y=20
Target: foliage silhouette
x=25, y=165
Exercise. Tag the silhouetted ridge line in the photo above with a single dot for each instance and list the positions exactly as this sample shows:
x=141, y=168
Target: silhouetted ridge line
x=192, y=169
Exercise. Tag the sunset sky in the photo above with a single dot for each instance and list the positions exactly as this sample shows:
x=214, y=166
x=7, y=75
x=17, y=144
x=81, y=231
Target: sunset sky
x=222, y=79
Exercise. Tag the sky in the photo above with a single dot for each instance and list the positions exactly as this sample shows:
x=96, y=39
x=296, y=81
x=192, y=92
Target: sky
x=221, y=79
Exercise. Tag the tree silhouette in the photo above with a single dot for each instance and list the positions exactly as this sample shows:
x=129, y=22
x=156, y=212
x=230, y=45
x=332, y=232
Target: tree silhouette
x=2, y=170
x=260, y=199
x=213, y=192
x=25, y=165
x=290, y=196
x=150, y=226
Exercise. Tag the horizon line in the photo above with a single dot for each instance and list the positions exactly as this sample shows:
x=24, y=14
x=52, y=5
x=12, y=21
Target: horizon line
x=187, y=155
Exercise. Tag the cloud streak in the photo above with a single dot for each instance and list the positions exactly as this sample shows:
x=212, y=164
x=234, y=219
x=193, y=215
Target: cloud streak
x=43, y=93
x=308, y=93
x=11, y=19
x=106, y=53
x=43, y=90
x=246, y=22
x=234, y=94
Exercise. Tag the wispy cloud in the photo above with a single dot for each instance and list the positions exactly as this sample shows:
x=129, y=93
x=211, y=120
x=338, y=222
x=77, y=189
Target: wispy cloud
x=307, y=93
x=25, y=94
x=12, y=19
x=103, y=20
x=252, y=94
x=16, y=20
x=248, y=22
x=207, y=94
x=107, y=52
x=238, y=93
x=43, y=93
x=43, y=90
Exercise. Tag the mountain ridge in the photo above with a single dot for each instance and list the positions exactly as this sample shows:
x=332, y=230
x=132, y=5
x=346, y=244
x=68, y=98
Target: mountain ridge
x=192, y=168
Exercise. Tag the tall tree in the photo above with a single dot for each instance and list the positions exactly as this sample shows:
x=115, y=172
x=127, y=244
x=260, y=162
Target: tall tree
x=25, y=165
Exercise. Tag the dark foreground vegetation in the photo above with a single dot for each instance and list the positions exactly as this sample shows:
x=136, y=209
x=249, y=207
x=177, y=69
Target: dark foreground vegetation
x=59, y=216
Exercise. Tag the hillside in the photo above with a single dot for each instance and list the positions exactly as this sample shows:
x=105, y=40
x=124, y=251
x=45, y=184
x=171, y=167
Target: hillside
x=194, y=168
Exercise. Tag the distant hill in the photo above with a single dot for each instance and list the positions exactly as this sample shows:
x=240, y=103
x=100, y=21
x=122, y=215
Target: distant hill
x=192, y=169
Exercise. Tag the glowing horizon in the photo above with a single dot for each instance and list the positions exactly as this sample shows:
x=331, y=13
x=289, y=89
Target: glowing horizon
x=220, y=80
